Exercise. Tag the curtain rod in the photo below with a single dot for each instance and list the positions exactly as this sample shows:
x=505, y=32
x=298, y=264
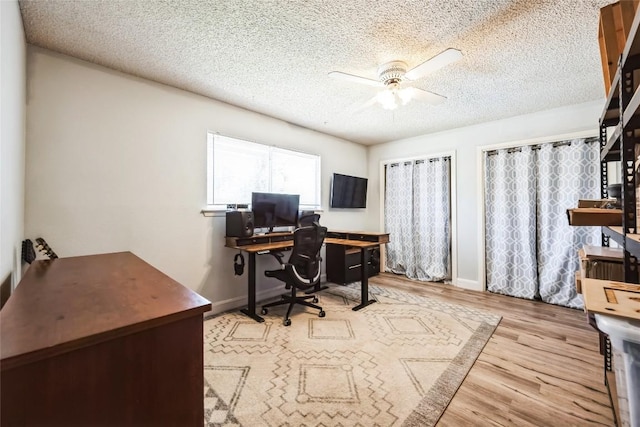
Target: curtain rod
x=419, y=161
x=539, y=146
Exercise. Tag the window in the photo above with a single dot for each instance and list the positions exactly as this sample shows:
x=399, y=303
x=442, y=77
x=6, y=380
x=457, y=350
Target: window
x=236, y=168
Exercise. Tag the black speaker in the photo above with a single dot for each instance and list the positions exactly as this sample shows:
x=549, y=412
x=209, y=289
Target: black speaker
x=239, y=224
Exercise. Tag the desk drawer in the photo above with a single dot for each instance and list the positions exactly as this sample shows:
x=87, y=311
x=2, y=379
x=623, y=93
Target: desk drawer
x=353, y=273
x=281, y=238
x=263, y=239
x=352, y=259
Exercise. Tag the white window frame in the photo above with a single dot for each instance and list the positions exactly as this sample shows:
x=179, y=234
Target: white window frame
x=270, y=152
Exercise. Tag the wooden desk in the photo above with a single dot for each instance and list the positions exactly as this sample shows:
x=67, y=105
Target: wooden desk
x=276, y=241
x=101, y=340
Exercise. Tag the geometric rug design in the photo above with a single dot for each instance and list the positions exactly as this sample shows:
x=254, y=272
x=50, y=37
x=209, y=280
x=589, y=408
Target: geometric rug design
x=397, y=362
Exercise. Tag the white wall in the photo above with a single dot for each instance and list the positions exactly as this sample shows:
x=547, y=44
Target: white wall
x=118, y=163
x=12, y=139
x=465, y=141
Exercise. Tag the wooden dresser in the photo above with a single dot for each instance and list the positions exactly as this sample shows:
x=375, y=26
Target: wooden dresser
x=101, y=340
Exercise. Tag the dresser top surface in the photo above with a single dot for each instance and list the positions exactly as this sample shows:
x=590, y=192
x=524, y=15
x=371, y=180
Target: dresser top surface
x=65, y=302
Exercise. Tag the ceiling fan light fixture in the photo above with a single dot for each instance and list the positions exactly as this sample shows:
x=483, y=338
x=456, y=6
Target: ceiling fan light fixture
x=393, y=96
x=387, y=99
x=392, y=72
x=392, y=75
x=405, y=95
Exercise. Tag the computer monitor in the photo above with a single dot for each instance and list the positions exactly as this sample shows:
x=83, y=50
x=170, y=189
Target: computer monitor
x=274, y=210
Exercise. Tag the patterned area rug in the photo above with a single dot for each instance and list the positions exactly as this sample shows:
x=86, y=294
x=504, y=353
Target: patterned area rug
x=397, y=362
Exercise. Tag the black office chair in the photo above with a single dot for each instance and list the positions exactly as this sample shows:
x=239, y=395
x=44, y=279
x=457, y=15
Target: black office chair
x=302, y=270
x=308, y=218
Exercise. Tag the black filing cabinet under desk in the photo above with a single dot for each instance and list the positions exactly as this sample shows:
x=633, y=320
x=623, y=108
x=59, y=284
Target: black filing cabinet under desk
x=343, y=263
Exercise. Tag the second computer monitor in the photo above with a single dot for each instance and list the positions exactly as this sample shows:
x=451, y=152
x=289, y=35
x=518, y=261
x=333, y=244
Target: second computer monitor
x=275, y=210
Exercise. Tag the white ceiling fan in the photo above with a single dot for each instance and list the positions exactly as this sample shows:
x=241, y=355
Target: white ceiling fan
x=394, y=77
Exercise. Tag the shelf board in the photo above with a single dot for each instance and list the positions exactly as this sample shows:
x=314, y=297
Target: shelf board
x=614, y=233
x=633, y=244
x=632, y=240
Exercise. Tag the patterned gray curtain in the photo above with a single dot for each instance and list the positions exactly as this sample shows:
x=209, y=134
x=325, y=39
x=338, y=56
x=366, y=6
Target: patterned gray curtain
x=510, y=225
x=566, y=173
x=418, y=214
x=398, y=214
x=531, y=250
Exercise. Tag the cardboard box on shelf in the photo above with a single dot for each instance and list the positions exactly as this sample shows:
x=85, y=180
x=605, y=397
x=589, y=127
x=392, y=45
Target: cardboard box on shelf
x=597, y=262
x=614, y=26
x=594, y=216
x=612, y=298
x=578, y=282
x=594, y=203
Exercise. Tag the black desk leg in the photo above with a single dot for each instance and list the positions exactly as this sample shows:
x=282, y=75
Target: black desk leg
x=364, y=281
x=251, y=307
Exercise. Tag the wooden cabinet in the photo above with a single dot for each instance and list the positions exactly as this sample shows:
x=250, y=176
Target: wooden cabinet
x=101, y=340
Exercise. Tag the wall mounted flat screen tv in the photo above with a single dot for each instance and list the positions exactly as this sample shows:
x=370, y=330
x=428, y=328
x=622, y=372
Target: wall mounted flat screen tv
x=275, y=210
x=348, y=191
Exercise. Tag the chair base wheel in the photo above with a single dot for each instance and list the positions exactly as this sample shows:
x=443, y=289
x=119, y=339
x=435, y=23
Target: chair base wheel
x=322, y=313
x=264, y=311
x=286, y=322
x=315, y=300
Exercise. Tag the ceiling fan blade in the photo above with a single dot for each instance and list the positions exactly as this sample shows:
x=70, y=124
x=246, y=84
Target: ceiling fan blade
x=356, y=79
x=361, y=107
x=425, y=96
x=442, y=59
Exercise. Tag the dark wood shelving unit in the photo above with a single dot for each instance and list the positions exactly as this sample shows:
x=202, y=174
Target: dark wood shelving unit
x=619, y=136
x=619, y=140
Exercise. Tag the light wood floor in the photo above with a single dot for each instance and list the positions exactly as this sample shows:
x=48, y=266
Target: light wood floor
x=541, y=367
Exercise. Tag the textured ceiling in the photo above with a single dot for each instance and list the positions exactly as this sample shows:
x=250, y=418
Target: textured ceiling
x=273, y=56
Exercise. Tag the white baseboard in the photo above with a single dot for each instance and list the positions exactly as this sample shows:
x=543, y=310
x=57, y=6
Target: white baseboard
x=472, y=285
x=241, y=301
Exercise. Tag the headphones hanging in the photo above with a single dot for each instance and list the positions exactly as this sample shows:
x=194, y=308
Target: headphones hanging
x=238, y=264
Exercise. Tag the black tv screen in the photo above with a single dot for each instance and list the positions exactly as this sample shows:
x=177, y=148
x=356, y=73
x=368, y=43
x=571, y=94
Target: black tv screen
x=275, y=210
x=348, y=191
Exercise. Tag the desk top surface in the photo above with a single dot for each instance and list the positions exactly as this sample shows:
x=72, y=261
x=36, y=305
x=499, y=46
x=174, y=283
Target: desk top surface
x=272, y=246
x=275, y=241
x=350, y=242
x=66, y=303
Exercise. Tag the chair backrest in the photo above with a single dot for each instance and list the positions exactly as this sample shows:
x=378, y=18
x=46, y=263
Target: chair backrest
x=308, y=218
x=305, y=257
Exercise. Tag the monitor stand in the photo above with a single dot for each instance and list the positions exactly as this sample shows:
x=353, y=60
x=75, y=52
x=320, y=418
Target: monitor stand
x=262, y=232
